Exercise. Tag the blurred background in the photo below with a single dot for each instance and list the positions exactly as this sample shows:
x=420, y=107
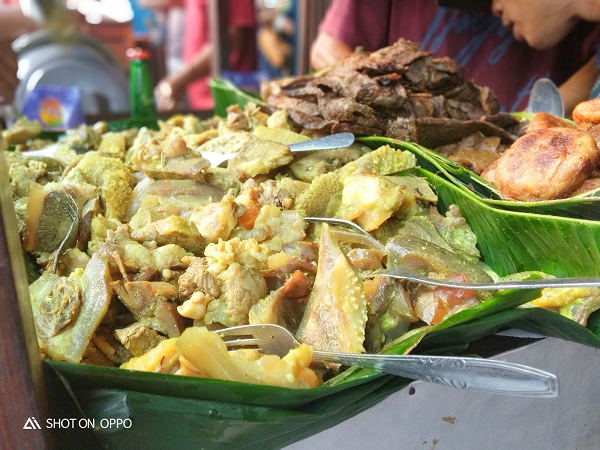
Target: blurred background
x=77, y=50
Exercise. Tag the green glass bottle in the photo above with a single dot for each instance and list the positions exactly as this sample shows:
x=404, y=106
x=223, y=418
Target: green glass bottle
x=141, y=93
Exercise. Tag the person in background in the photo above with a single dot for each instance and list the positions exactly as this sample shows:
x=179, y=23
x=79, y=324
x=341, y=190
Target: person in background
x=543, y=24
x=170, y=15
x=479, y=41
x=276, y=37
x=198, y=54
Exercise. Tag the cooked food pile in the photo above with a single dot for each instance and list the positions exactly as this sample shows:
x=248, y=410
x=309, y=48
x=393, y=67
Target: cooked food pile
x=398, y=91
x=553, y=160
x=145, y=248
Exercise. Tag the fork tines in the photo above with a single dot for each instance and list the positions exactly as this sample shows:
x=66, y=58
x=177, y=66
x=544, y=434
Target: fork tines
x=237, y=338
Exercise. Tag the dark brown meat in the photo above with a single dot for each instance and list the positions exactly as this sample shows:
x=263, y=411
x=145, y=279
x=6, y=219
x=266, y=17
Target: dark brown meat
x=400, y=91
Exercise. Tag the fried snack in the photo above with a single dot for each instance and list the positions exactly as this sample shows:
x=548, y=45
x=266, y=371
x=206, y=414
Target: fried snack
x=544, y=120
x=544, y=165
x=587, y=112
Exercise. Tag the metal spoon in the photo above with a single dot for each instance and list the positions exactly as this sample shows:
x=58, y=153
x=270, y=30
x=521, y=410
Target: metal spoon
x=544, y=97
x=338, y=140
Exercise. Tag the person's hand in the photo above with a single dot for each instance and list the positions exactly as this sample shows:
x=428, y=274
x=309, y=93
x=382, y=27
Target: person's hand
x=8, y=72
x=167, y=93
x=541, y=23
x=327, y=50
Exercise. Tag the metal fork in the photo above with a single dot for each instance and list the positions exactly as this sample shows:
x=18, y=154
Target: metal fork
x=405, y=273
x=338, y=140
x=484, y=375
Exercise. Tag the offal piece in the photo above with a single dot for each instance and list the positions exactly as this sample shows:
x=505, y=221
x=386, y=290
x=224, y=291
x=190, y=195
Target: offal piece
x=545, y=164
x=336, y=313
x=321, y=198
x=149, y=303
x=21, y=132
x=475, y=160
x=318, y=163
x=243, y=290
x=587, y=112
x=198, y=278
x=138, y=338
x=259, y=157
x=216, y=220
x=369, y=199
x=172, y=230
x=49, y=219
x=67, y=311
x=113, y=178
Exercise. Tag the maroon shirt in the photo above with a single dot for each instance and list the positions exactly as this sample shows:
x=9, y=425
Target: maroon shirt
x=478, y=41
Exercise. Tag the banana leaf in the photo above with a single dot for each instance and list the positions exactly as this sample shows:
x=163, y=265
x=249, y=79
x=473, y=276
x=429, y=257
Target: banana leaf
x=226, y=93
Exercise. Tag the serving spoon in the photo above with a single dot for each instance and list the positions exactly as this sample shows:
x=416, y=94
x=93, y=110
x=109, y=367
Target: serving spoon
x=545, y=97
x=338, y=140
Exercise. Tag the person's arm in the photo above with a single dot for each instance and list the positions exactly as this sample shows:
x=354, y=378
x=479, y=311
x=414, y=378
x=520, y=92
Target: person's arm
x=348, y=24
x=577, y=88
x=327, y=50
x=170, y=89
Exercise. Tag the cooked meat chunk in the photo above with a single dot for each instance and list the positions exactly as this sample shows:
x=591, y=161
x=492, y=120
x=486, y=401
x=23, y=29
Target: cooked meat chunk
x=587, y=112
x=149, y=303
x=138, y=338
x=172, y=230
x=259, y=157
x=243, y=290
x=369, y=199
x=475, y=160
x=198, y=278
x=544, y=120
x=140, y=296
x=21, y=132
x=590, y=184
x=388, y=92
x=544, y=164
x=281, y=193
x=318, y=163
x=215, y=220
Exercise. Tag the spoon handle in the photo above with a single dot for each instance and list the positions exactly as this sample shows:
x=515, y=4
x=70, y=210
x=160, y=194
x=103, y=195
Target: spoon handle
x=338, y=140
x=476, y=374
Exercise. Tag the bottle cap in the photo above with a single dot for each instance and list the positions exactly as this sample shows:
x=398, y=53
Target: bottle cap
x=137, y=53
